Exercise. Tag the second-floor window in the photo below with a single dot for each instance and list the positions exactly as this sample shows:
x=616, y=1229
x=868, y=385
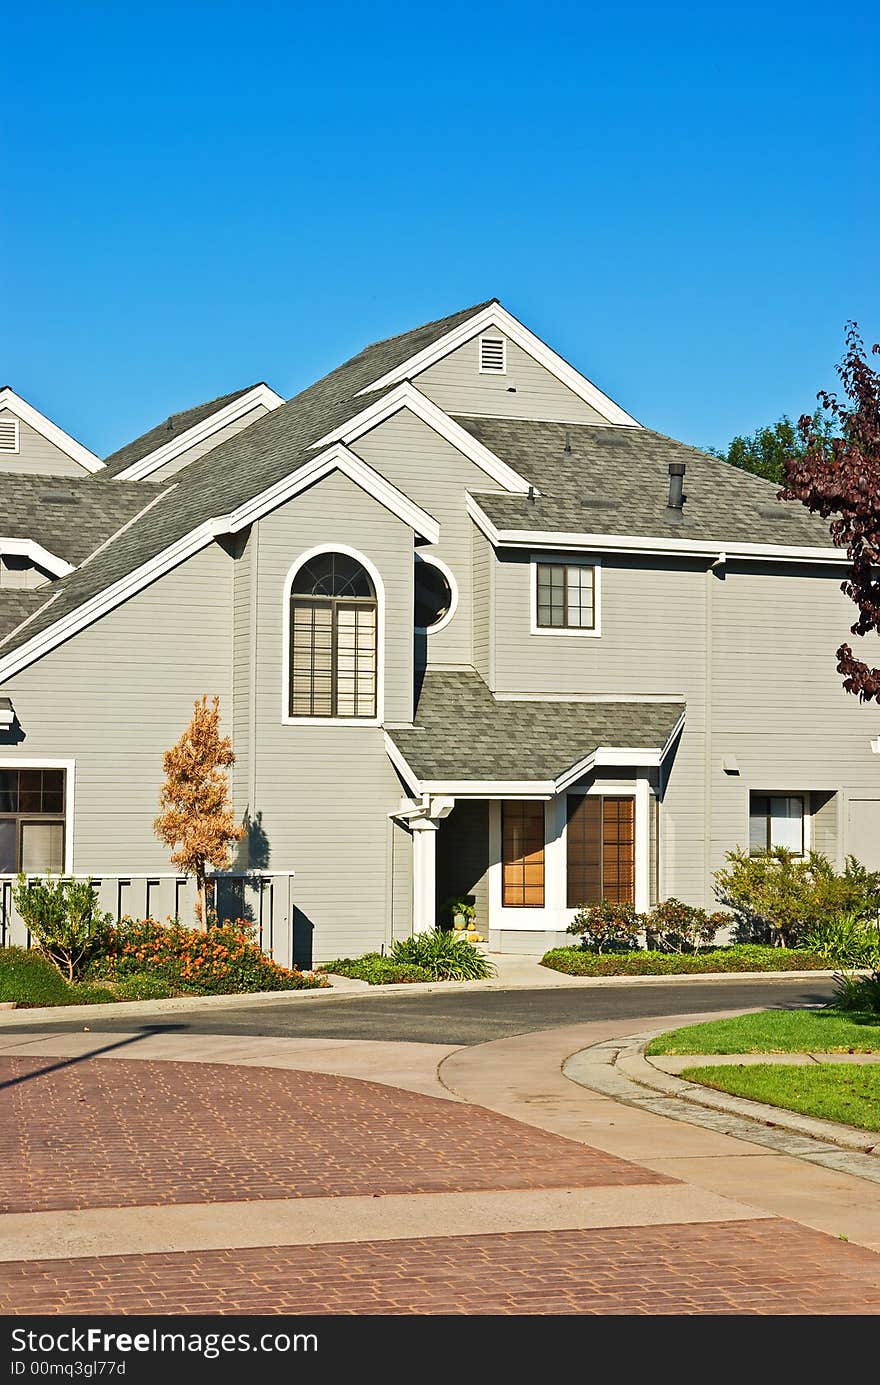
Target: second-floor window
x=333, y=639
x=566, y=596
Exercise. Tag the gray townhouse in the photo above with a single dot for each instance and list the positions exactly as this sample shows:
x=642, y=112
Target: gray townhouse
x=474, y=629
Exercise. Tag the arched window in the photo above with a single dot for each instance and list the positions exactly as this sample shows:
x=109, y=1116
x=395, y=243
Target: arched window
x=333, y=639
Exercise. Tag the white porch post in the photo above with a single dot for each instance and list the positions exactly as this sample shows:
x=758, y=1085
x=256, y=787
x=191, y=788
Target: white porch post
x=643, y=844
x=424, y=832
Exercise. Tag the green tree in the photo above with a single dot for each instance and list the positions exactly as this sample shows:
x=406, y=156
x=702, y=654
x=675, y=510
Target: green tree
x=766, y=451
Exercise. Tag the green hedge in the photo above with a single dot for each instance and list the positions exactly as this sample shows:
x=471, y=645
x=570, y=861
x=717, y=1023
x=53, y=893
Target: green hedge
x=745, y=957
x=29, y=978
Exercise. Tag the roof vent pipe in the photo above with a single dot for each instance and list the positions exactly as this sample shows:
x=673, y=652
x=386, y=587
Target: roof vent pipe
x=676, y=486
x=567, y=441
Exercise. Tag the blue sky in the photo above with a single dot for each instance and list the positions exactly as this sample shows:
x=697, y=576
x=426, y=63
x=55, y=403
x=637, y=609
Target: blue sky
x=683, y=200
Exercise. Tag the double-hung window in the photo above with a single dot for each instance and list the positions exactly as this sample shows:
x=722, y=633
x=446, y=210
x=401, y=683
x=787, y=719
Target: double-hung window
x=32, y=821
x=776, y=820
x=333, y=639
x=565, y=596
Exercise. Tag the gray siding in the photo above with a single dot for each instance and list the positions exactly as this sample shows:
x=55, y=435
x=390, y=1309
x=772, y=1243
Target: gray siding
x=36, y=455
x=200, y=448
x=482, y=622
x=323, y=794
x=116, y=696
x=776, y=705
x=436, y=476
x=527, y=390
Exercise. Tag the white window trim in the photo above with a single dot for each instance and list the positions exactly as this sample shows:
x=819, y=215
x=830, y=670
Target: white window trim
x=442, y=623
x=492, y=336
x=379, y=587
x=15, y=449
x=69, y=766
x=564, y=560
x=556, y=914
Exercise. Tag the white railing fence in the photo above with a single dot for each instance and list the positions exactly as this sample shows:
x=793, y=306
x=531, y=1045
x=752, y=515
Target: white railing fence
x=263, y=898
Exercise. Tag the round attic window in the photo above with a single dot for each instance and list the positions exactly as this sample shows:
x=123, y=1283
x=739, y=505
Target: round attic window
x=436, y=595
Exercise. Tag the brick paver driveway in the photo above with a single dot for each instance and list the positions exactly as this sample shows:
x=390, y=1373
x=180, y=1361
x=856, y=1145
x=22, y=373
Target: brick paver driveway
x=104, y=1133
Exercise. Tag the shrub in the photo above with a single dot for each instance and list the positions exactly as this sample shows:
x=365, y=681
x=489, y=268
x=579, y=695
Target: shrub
x=28, y=978
x=377, y=970
x=744, y=957
x=445, y=956
x=224, y=961
x=678, y=927
x=846, y=940
x=782, y=896
x=861, y=993
x=607, y=927
x=64, y=920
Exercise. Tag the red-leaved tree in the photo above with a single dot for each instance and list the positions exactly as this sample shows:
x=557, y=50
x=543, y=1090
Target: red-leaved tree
x=839, y=478
x=197, y=820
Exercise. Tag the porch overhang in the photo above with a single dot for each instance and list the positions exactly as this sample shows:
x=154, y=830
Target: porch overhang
x=7, y=713
x=465, y=743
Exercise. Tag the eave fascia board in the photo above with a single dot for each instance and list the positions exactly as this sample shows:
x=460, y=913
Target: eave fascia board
x=503, y=321
x=190, y=544
x=200, y=432
x=491, y=788
x=662, y=547
x=49, y=430
x=29, y=548
x=406, y=396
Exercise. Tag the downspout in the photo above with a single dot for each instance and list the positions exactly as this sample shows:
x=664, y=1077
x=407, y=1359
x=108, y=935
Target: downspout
x=707, y=732
x=252, y=682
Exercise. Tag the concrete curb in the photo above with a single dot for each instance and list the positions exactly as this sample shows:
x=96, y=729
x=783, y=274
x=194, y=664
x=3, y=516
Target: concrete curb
x=345, y=988
x=620, y=1070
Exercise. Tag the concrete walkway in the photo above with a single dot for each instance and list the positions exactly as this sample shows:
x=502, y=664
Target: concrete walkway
x=199, y=1173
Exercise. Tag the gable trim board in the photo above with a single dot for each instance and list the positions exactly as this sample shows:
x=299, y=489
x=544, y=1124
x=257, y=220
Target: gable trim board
x=200, y=432
x=406, y=396
x=49, y=430
x=29, y=548
x=599, y=543
x=496, y=316
x=337, y=458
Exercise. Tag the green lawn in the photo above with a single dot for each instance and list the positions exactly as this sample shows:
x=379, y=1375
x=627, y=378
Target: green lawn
x=842, y=1092
x=777, y=1031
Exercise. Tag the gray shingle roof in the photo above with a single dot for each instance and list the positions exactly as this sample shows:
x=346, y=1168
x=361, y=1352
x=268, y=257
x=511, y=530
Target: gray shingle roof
x=616, y=481
x=461, y=732
x=245, y=465
x=166, y=431
x=15, y=605
x=70, y=516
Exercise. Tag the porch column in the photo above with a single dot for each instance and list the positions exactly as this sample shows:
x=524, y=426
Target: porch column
x=424, y=832
x=643, y=845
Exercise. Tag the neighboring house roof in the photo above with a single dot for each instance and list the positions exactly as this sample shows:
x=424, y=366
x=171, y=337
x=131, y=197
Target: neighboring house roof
x=68, y=516
x=49, y=430
x=616, y=481
x=462, y=734
x=167, y=431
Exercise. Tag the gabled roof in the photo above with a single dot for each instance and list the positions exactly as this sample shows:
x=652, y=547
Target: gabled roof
x=49, y=430
x=180, y=521
x=68, y=516
x=616, y=482
x=167, y=431
x=16, y=605
x=462, y=735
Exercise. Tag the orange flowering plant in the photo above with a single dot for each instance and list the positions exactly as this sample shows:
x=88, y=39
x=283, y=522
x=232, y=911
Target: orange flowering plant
x=225, y=960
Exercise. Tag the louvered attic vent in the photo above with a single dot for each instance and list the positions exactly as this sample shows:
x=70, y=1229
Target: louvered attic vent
x=493, y=355
x=8, y=434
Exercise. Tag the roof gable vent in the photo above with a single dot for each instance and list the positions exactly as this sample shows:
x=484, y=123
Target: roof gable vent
x=493, y=356
x=8, y=434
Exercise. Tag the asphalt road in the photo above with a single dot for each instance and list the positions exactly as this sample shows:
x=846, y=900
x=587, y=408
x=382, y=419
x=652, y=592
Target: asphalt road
x=458, y=1016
